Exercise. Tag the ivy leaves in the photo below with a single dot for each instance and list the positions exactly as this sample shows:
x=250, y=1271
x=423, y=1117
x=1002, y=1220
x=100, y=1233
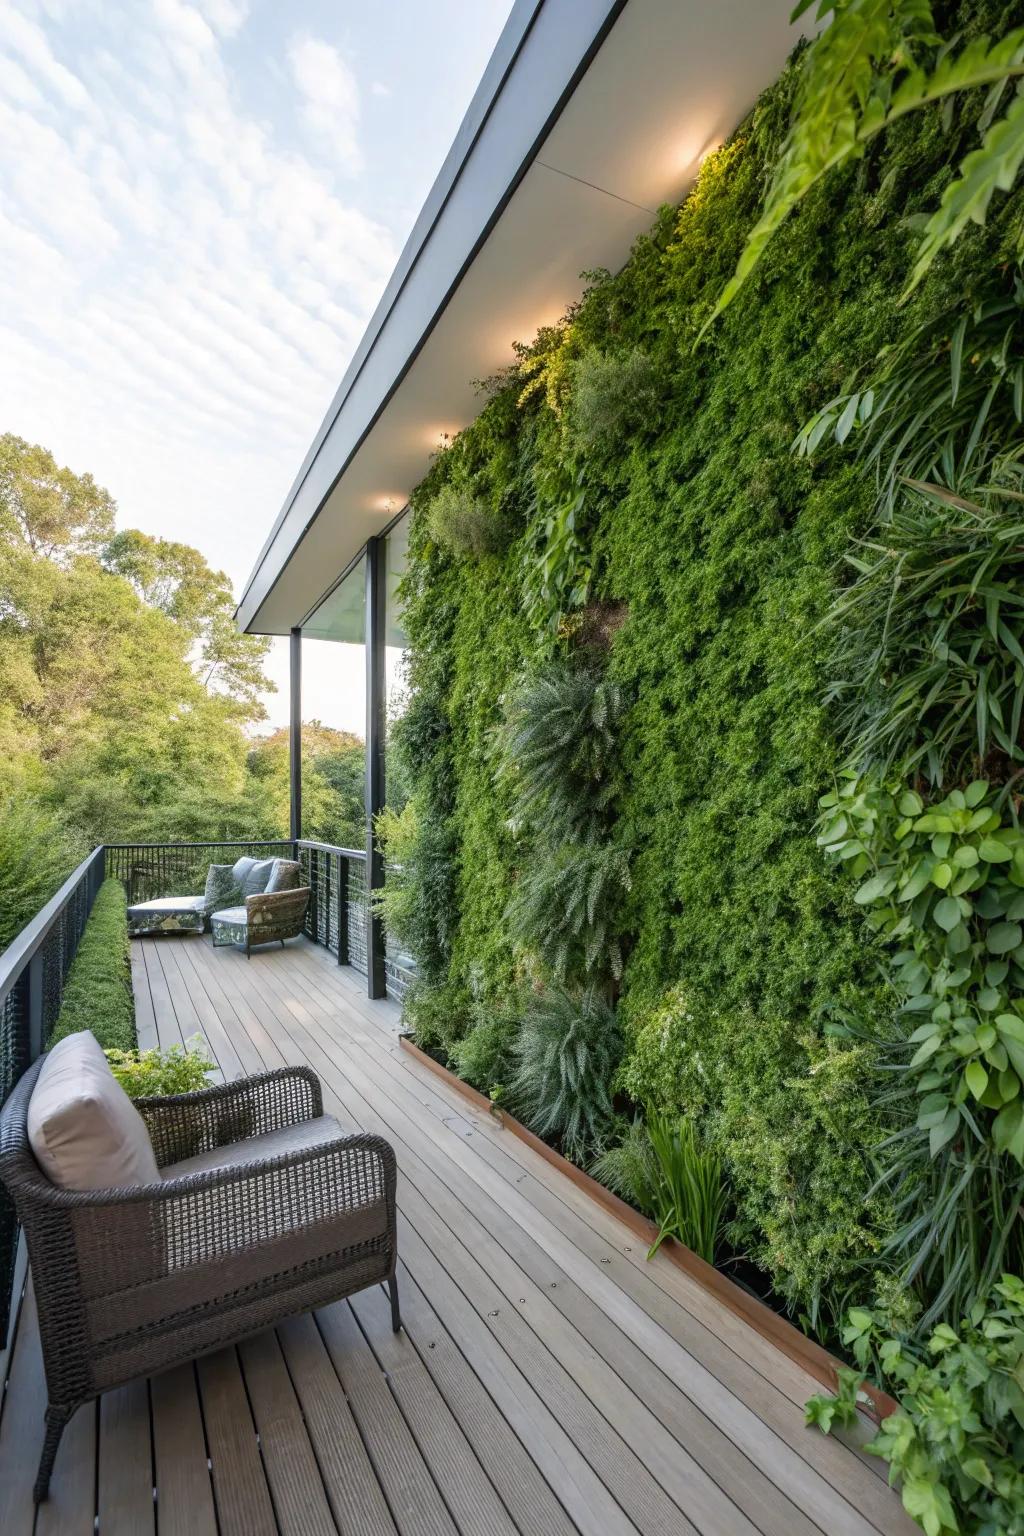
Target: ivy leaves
x=945, y=887
x=875, y=62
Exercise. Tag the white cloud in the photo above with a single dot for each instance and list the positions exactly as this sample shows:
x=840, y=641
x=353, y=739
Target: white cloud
x=330, y=94
x=182, y=290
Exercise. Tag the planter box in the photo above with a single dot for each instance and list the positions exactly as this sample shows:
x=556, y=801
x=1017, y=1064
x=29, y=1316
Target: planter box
x=814, y=1359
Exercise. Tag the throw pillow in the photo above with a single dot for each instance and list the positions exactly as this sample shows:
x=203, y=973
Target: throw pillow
x=254, y=881
x=83, y=1128
x=283, y=877
x=222, y=889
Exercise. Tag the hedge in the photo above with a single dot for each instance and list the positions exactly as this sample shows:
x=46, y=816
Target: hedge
x=98, y=991
x=717, y=550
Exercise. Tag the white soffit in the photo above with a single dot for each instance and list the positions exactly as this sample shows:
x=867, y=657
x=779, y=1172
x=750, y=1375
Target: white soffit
x=670, y=81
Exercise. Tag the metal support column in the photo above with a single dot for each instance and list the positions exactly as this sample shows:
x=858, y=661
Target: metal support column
x=295, y=736
x=376, y=984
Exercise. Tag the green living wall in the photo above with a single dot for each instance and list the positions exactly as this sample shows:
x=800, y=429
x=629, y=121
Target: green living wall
x=707, y=553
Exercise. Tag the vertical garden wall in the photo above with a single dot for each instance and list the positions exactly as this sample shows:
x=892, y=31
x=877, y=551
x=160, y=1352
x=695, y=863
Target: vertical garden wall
x=628, y=522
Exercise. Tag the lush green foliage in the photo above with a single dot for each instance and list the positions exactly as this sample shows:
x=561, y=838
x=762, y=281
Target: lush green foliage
x=558, y=748
x=944, y=403
x=956, y=1445
x=565, y=910
x=98, y=992
x=945, y=887
x=463, y=524
x=614, y=399
x=875, y=62
x=662, y=1169
x=180, y=1069
x=37, y=853
x=414, y=900
x=566, y=1054
x=716, y=549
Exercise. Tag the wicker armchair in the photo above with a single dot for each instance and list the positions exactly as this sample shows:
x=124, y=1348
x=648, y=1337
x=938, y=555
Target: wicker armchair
x=264, y=919
x=132, y=1281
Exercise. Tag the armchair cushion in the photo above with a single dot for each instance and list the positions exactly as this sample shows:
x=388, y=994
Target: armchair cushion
x=83, y=1129
x=256, y=1149
x=240, y=868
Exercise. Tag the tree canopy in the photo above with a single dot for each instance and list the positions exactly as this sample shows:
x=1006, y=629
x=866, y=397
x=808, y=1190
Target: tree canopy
x=127, y=693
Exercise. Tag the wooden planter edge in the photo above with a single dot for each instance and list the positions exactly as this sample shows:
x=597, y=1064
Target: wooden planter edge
x=805, y=1352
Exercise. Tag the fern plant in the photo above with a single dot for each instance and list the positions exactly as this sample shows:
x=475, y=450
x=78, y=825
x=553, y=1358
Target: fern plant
x=566, y=1057
x=565, y=910
x=558, y=746
x=875, y=62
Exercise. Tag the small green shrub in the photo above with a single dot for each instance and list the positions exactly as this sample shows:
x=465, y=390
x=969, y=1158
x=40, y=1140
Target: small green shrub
x=956, y=1445
x=464, y=524
x=614, y=396
x=566, y=1057
x=180, y=1069
x=485, y=1056
x=791, y=1118
x=98, y=992
x=438, y=1016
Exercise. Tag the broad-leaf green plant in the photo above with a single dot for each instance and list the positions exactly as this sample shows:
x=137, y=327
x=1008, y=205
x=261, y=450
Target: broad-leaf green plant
x=943, y=885
x=955, y=1446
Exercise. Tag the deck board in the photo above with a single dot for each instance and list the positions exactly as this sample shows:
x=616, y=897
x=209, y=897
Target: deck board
x=548, y=1381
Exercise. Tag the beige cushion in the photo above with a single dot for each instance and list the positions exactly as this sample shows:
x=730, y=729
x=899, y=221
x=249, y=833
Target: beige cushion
x=83, y=1128
x=257, y=1149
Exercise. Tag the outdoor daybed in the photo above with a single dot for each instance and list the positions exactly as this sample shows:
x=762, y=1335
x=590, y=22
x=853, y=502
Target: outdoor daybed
x=227, y=885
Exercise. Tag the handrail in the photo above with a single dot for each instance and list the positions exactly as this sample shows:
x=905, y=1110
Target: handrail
x=25, y=945
x=224, y=842
x=346, y=853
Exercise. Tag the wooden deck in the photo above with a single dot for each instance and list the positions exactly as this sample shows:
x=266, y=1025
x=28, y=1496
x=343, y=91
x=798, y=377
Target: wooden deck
x=548, y=1380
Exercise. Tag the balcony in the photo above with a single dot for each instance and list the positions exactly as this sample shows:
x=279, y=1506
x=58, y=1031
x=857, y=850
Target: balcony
x=548, y=1378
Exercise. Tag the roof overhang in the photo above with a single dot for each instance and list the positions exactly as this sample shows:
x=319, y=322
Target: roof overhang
x=590, y=115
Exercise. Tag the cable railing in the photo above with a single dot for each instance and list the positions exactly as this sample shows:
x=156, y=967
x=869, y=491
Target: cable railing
x=33, y=970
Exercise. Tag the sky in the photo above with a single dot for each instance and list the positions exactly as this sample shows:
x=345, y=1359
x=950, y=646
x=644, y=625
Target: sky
x=200, y=204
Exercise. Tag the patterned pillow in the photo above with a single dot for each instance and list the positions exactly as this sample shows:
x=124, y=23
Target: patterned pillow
x=283, y=877
x=254, y=881
x=222, y=889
